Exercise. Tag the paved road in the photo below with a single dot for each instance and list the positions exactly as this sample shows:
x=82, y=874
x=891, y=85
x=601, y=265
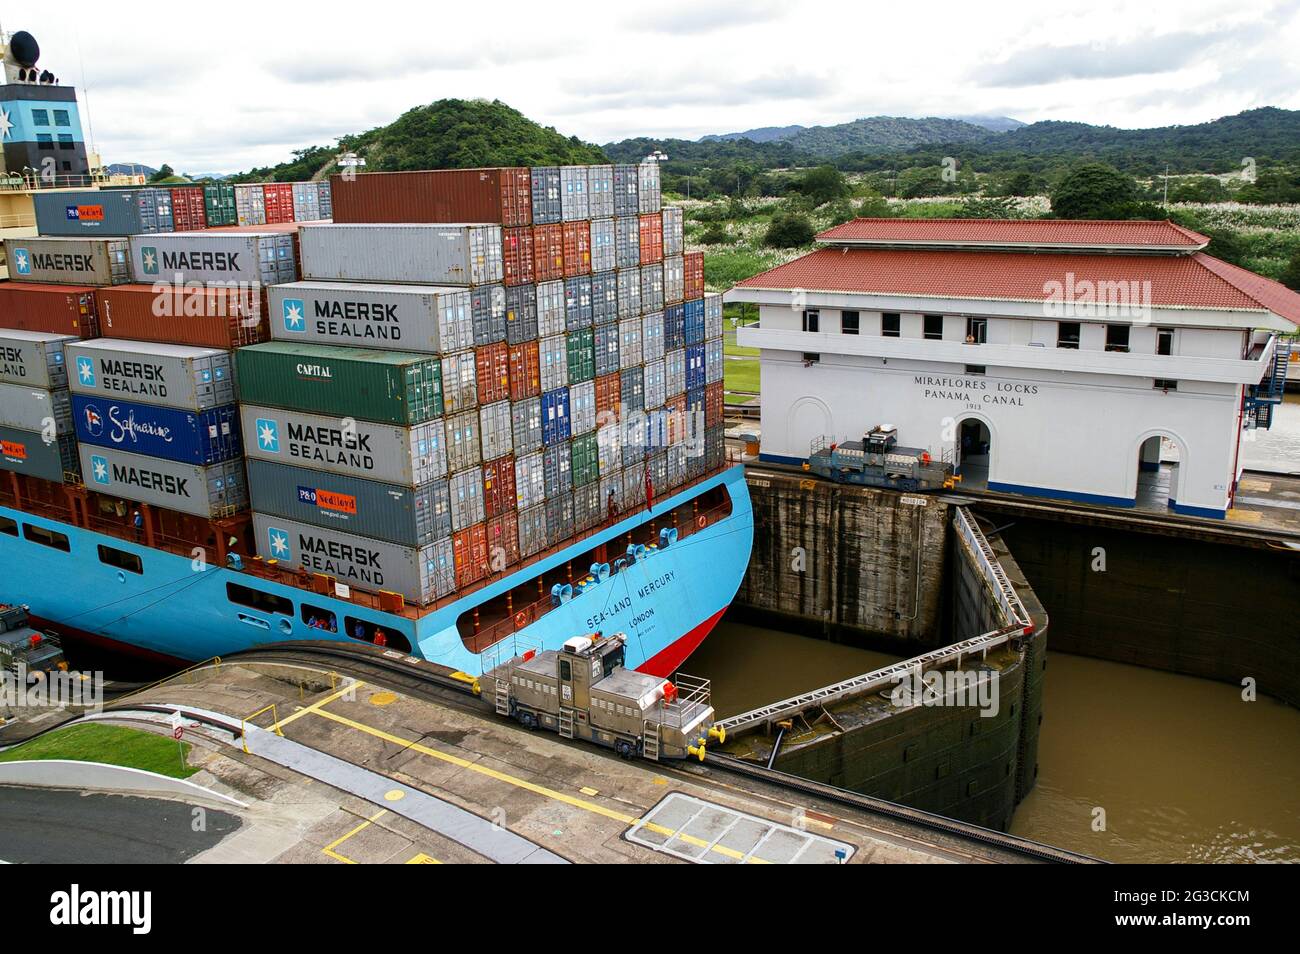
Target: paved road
x=53, y=826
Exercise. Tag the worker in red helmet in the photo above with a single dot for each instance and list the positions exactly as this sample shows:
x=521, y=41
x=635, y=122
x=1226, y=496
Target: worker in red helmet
x=380, y=638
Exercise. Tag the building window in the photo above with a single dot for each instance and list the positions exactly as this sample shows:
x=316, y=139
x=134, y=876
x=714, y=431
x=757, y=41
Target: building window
x=849, y=322
x=890, y=324
x=1067, y=334
x=65, y=141
x=975, y=369
x=811, y=357
x=1165, y=384
x=256, y=599
x=811, y=319
x=40, y=117
x=44, y=141
x=47, y=538
x=120, y=559
x=1117, y=338
x=1164, y=341
x=977, y=330
x=61, y=118
x=934, y=327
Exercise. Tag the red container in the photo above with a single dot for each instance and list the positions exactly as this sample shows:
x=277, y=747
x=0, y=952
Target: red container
x=499, y=487
x=54, y=309
x=279, y=202
x=713, y=404
x=677, y=425
x=548, y=252
x=652, y=238
x=517, y=254
x=577, y=248
x=201, y=317
x=502, y=195
x=609, y=394
x=469, y=551
x=492, y=365
x=693, y=263
x=525, y=371
x=188, y=211
x=503, y=540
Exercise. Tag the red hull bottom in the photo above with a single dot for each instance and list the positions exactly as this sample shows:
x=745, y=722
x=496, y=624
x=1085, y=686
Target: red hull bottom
x=669, y=659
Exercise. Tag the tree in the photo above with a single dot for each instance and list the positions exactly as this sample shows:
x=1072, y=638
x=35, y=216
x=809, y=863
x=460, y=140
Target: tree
x=166, y=172
x=823, y=184
x=874, y=206
x=1094, y=190
x=1000, y=208
x=715, y=234
x=1290, y=276
x=789, y=230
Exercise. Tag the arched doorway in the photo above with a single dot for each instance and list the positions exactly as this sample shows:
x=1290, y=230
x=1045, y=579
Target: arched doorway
x=1160, y=460
x=973, y=452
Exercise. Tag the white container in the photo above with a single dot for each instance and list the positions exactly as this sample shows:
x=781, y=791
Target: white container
x=602, y=245
x=495, y=430
x=405, y=254
x=250, y=204
x=656, y=384
x=630, y=340
x=573, y=194
x=550, y=308
x=675, y=371
x=526, y=424
x=459, y=382
x=712, y=316
x=554, y=359
x=674, y=279
x=463, y=448
x=428, y=319
x=649, y=196
x=652, y=288
x=713, y=359
x=36, y=409
x=530, y=480
x=629, y=293
x=582, y=408
x=674, y=230
x=247, y=258
x=34, y=358
x=652, y=337
x=600, y=191
x=466, y=498
x=191, y=379
x=532, y=530
x=609, y=446
x=215, y=491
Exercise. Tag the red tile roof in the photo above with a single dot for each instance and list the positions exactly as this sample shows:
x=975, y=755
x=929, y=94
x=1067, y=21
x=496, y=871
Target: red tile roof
x=1179, y=281
x=1077, y=233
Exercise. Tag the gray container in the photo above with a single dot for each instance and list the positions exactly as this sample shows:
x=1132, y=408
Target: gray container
x=633, y=496
x=656, y=384
x=496, y=436
x=526, y=424
x=410, y=516
x=34, y=358
x=69, y=261
x=577, y=303
x=409, y=456
x=530, y=480
x=326, y=200
x=604, y=254
x=521, y=314
x=306, y=202
x=403, y=254
x=631, y=385
x=557, y=466
x=427, y=319
x=547, y=203
x=216, y=491
x=420, y=574
x=574, y=206
x=582, y=408
x=459, y=382
x=675, y=371
x=463, y=447
x=606, y=344
x=625, y=189
x=652, y=288
x=532, y=530
x=713, y=361
x=675, y=465
x=630, y=343
x=191, y=379
x=249, y=258
x=27, y=452
x=553, y=356
x=652, y=337
x=649, y=198
x=674, y=279
x=103, y=213
x=604, y=297
x=629, y=292
x=550, y=308
x=488, y=308
x=587, y=510
x=674, y=230
x=36, y=409
x=712, y=316
x=466, y=488
x=627, y=241
x=609, y=446
x=559, y=518
x=250, y=205
x=600, y=191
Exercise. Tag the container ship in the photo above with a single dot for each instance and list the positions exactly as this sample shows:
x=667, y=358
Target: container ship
x=448, y=412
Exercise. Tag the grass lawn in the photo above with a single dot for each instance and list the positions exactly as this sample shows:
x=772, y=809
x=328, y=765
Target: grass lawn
x=112, y=744
x=729, y=346
x=740, y=375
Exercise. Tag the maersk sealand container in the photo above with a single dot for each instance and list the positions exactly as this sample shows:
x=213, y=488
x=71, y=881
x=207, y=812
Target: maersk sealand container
x=425, y=318
x=402, y=254
x=203, y=438
x=193, y=379
x=34, y=358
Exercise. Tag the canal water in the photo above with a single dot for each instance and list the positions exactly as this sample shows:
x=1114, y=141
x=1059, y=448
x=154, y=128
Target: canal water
x=1278, y=448
x=1183, y=768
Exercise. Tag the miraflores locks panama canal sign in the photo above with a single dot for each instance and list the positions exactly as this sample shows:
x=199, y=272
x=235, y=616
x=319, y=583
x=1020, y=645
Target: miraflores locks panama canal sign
x=975, y=391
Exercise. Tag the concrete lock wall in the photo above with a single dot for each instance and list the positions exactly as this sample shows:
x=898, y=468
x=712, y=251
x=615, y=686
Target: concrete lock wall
x=848, y=561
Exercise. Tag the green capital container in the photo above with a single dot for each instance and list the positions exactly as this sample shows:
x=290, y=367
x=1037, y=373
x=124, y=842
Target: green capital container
x=581, y=350
x=585, y=460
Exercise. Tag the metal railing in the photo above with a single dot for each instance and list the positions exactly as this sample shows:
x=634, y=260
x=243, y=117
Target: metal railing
x=693, y=694
x=1013, y=610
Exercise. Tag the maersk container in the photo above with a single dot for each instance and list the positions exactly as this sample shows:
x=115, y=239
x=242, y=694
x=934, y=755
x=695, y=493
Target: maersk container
x=713, y=358
x=673, y=279
x=33, y=358
x=609, y=448
x=587, y=511
x=582, y=407
x=215, y=491
x=35, y=409
x=404, y=254
x=499, y=487
x=550, y=308
x=525, y=371
x=521, y=314
x=410, y=516
x=559, y=518
x=626, y=201
x=28, y=452
x=420, y=574
x=712, y=316
x=629, y=293
x=391, y=387
x=600, y=191
x=675, y=371
x=193, y=379
x=532, y=530
x=547, y=194
x=674, y=327
x=584, y=459
x=656, y=384
x=427, y=319
x=466, y=489
x=250, y=204
x=460, y=381
x=205, y=437
x=198, y=257
x=631, y=352
x=306, y=202
x=604, y=297
x=652, y=288
x=652, y=337
x=580, y=346
x=555, y=416
x=501, y=196
x=674, y=230
x=557, y=466
x=55, y=309
x=553, y=355
x=530, y=480
x=68, y=261
x=605, y=342
x=526, y=425
x=627, y=241
x=495, y=430
x=488, y=308
x=694, y=367
x=573, y=194
x=463, y=446
x=631, y=384
x=577, y=303
x=649, y=197
x=604, y=255
x=386, y=452
x=103, y=212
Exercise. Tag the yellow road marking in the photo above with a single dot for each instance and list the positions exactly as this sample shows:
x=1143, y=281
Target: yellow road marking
x=1244, y=516
x=329, y=849
x=589, y=791
x=383, y=698
x=350, y=687
x=422, y=859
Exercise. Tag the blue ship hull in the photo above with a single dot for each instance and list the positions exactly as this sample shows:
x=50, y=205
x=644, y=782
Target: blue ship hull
x=666, y=602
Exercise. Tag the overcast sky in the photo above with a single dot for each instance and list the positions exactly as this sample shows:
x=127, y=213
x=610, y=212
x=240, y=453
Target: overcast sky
x=606, y=71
